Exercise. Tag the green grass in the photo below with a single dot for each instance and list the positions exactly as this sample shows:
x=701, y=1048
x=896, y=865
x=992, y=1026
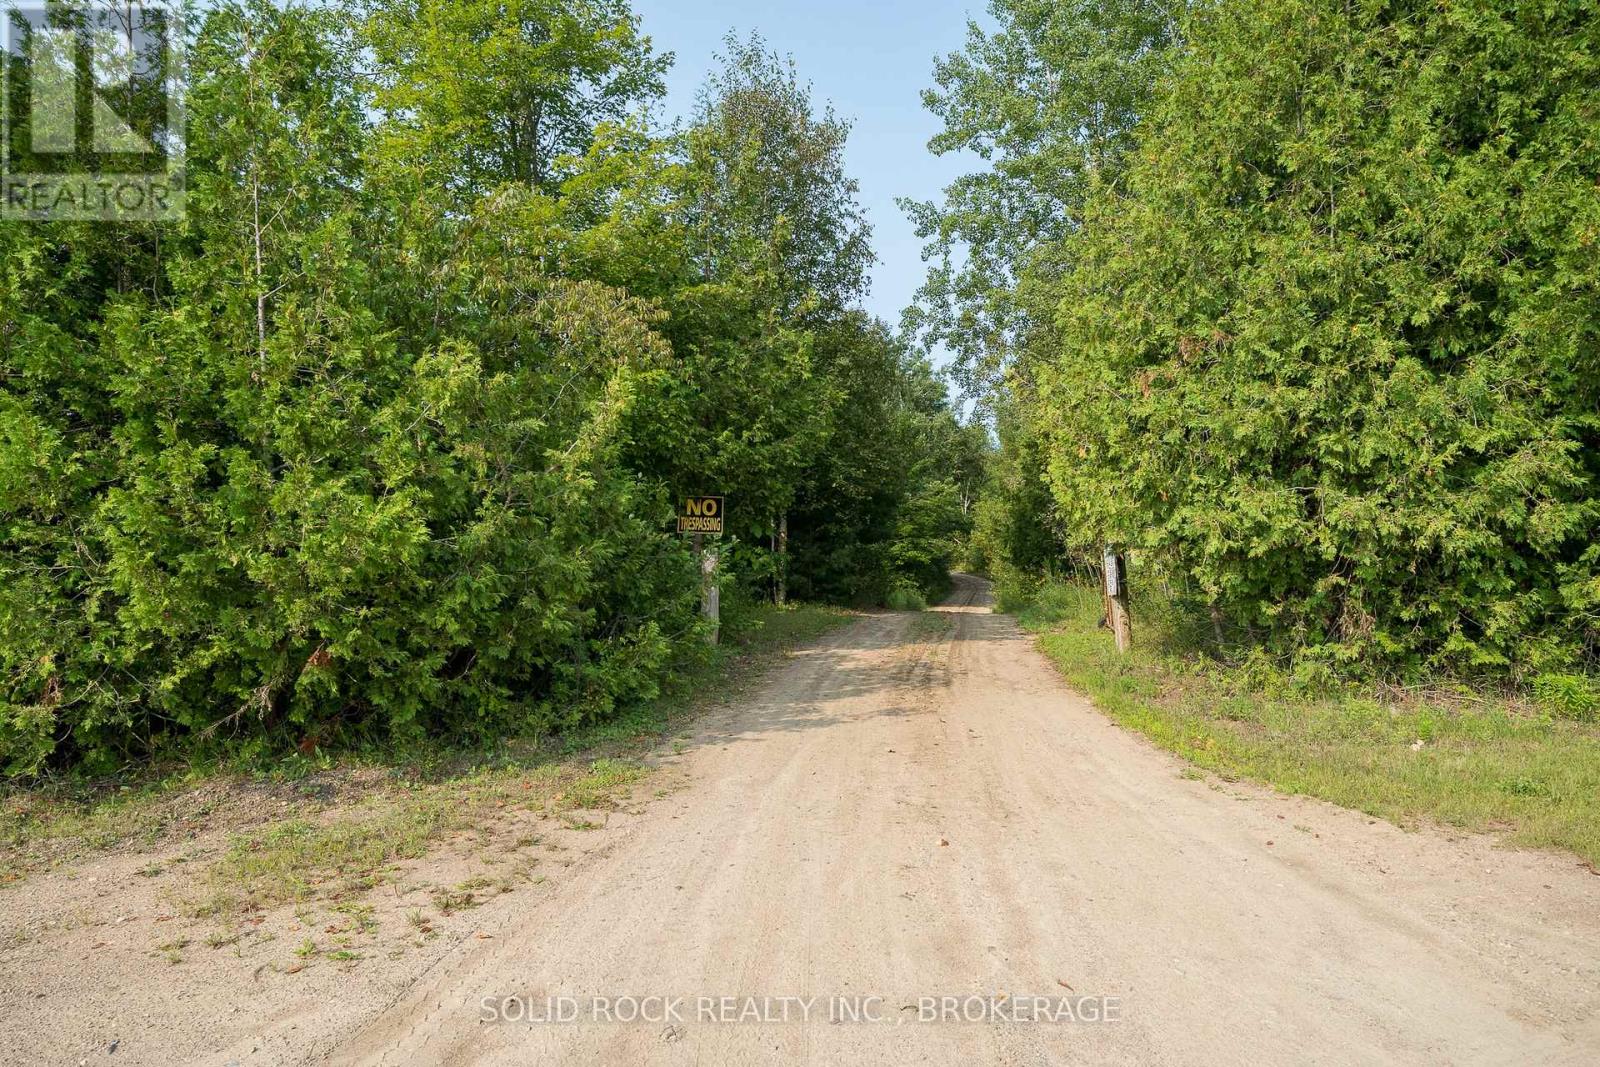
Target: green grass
x=385, y=807
x=349, y=853
x=1471, y=761
x=905, y=598
x=78, y=821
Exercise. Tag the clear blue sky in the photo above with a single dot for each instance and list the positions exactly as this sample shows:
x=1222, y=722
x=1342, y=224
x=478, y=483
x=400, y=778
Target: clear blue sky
x=871, y=59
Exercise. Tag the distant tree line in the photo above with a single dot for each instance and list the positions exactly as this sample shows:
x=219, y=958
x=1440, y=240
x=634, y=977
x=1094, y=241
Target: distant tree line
x=385, y=438
x=1300, y=302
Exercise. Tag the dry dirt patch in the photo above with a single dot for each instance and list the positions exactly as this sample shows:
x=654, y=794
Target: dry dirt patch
x=248, y=904
x=158, y=926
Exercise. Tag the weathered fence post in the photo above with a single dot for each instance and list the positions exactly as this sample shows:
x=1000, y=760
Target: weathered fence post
x=1116, y=595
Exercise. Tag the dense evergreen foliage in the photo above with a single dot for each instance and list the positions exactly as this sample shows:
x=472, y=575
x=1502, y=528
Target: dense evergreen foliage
x=1315, y=325
x=1300, y=302
x=385, y=438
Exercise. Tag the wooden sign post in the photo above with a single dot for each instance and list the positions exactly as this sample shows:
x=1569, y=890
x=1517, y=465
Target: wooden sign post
x=703, y=517
x=1117, y=617
x=710, y=591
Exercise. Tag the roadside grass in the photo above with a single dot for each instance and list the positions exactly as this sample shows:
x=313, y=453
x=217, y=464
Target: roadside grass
x=329, y=825
x=931, y=626
x=906, y=598
x=35, y=825
x=300, y=858
x=1473, y=761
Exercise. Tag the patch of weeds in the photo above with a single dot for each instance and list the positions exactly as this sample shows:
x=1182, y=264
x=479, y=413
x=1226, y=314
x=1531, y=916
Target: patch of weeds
x=449, y=901
x=219, y=902
x=363, y=915
x=932, y=626
x=1476, y=760
x=1574, y=697
x=172, y=951
x=906, y=598
x=60, y=822
x=218, y=939
x=600, y=786
x=293, y=859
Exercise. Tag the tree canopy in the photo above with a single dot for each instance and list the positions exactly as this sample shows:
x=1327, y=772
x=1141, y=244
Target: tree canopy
x=384, y=439
x=1321, y=342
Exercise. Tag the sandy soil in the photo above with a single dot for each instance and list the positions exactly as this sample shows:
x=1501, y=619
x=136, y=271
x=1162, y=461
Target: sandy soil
x=914, y=809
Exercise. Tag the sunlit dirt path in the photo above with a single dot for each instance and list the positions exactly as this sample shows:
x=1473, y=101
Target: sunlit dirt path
x=918, y=808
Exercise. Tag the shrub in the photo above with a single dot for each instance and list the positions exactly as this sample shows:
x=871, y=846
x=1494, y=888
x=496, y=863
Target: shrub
x=1336, y=340
x=382, y=439
x=906, y=598
x=1568, y=696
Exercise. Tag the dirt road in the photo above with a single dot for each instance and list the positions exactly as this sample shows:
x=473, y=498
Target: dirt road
x=919, y=809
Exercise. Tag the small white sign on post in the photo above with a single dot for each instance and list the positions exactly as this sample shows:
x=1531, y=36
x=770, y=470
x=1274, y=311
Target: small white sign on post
x=1117, y=600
